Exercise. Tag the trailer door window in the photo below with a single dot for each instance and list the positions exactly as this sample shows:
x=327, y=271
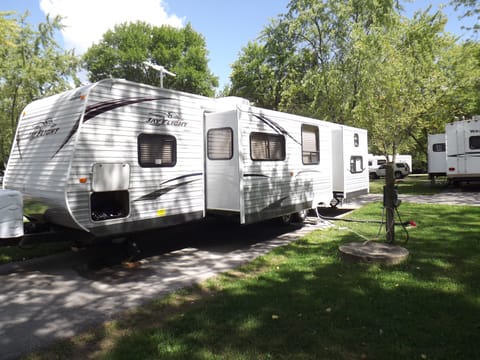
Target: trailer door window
x=310, y=145
x=265, y=146
x=157, y=150
x=220, y=144
x=438, y=147
x=474, y=142
x=356, y=164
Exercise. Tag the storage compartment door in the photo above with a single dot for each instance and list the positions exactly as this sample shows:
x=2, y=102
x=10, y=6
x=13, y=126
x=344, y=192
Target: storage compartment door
x=110, y=177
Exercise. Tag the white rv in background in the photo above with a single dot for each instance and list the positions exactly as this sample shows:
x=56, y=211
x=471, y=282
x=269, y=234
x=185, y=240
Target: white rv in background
x=349, y=164
x=463, y=150
x=437, y=159
x=117, y=157
x=374, y=161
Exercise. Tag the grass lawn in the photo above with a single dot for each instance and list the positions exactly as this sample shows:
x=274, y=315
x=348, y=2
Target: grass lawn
x=302, y=301
x=413, y=184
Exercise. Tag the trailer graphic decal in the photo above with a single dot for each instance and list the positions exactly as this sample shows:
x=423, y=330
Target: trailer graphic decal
x=163, y=190
x=276, y=204
x=256, y=175
x=276, y=127
x=102, y=107
x=44, y=128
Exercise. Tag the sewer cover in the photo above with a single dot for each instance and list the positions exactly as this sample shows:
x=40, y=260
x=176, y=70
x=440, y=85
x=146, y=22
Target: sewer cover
x=373, y=252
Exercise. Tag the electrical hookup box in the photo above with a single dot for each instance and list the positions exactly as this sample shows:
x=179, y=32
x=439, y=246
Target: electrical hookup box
x=396, y=200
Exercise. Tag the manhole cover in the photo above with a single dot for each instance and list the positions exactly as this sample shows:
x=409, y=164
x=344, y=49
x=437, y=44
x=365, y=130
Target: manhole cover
x=373, y=252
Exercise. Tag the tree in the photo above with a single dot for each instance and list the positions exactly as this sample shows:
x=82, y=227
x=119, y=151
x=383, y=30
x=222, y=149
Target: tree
x=471, y=8
x=360, y=63
x=32, y=65
x=122, y=51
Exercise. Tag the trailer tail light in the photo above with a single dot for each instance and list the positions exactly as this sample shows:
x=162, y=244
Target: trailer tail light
x=451, y=169
x=82, y=180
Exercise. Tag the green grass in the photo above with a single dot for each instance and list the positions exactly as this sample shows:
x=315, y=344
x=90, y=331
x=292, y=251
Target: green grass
x=302, y=301
x=412, y=185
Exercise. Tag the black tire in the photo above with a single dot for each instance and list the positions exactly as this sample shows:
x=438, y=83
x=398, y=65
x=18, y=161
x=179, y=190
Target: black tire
x=398, y=175
x=286, y=219
x=300, y=216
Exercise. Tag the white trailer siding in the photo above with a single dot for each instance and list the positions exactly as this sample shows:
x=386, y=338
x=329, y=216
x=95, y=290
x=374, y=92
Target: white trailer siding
x=264, y=189
x=437, y=156
x=39, y=160
x=158, y=196
x=463, y=150
x=349, y=166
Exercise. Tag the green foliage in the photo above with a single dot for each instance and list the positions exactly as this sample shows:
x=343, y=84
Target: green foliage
x=361, y=63
x=32, y=65
x=122, y=51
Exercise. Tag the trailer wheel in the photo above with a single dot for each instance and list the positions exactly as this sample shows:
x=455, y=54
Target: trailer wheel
x=286, y=219
x=300, y=216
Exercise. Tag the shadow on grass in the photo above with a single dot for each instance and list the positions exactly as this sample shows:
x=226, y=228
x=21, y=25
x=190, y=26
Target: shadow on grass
x=302, y=302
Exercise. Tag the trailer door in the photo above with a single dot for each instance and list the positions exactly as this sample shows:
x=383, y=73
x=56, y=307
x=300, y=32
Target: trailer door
x=472, y=147
x=222, y=174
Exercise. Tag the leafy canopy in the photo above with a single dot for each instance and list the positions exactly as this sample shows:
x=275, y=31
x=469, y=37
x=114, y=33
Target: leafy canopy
x=32, y=65
x=122, y=51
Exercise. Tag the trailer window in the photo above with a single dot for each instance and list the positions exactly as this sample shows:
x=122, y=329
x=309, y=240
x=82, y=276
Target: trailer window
x=381, y=162
x=438, y=147
x=356, y=164
x=356, y=141
x=474, y=142
x=220, y=144
x=310, y=145
x=265, y=146
x=157, y=150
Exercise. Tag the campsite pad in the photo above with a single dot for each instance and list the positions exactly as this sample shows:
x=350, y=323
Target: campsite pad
x=373, y=252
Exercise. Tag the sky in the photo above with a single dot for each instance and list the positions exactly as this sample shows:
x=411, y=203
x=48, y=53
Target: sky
x=226, y=25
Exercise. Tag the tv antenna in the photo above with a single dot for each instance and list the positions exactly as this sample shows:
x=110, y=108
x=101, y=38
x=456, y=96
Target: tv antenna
x=161, y=69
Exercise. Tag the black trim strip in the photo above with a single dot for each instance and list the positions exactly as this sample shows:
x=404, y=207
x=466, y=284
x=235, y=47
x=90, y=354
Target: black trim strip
x=469, y=154
x=276, y=204
x=308, y=171
x=275, y=126
x=256, y=175
x=163, y=190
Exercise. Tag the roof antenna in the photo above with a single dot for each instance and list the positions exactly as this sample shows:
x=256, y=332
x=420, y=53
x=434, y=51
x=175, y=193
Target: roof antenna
x=161, y=69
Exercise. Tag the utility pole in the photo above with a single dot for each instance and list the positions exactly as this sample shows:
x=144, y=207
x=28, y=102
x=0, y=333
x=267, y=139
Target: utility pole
x=160, y=69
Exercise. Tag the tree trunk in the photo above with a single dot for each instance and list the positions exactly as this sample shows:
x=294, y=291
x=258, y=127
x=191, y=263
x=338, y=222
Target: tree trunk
x=389, y=200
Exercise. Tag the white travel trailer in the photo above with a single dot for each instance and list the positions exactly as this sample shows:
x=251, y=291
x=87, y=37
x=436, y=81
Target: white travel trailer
x=117, y=157
x=350, y=168
x=437, y=158
x=463, y=150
